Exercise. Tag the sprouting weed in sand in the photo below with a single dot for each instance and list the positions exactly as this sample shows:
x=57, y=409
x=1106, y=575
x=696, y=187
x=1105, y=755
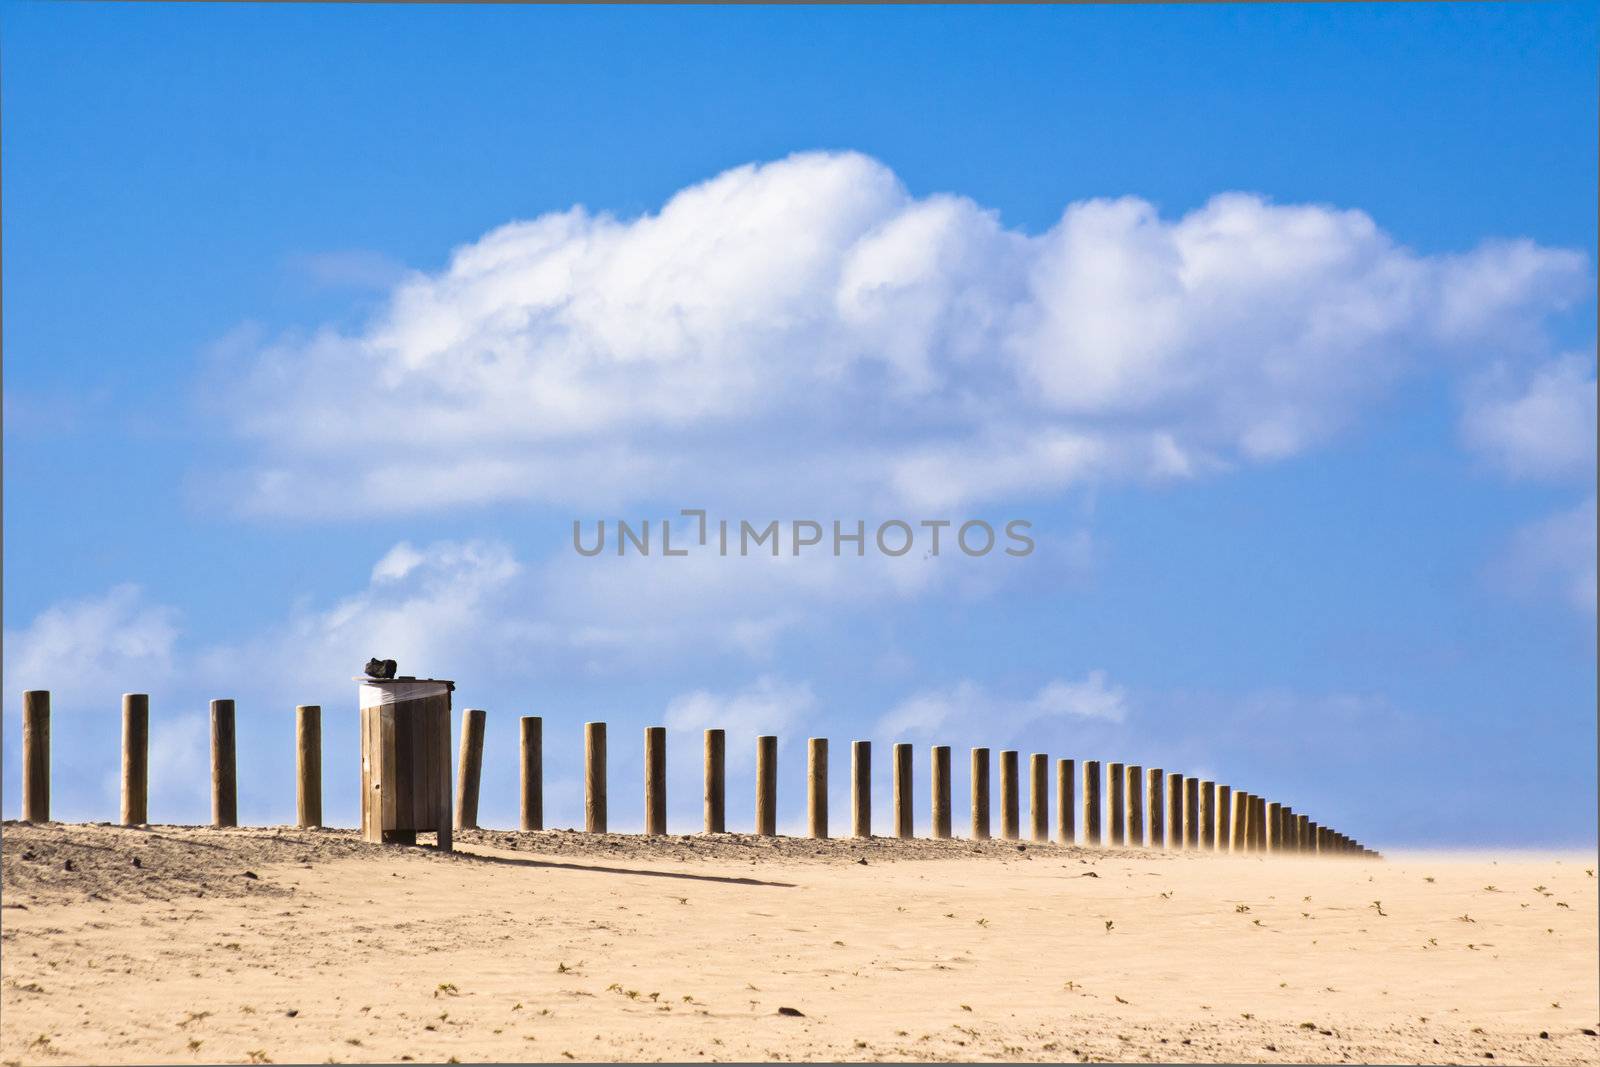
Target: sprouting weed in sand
x=1241, y=908
x=352, y=1041
x=194, y=1044
x=259, y=1055
x=443, y=1015
x=966, y=1007
x=1555, y=1004
x=614, y=986
x=1377, y=906
x=1563, y=904
x=1167, y=895
x=631, y=994
x=1109, y=924
x=562, y=968
x=1465, y=919
x=1071, y=985
x=983, y=922
x=1246, y=1015
x=1433, y=940
x=517, y=1006
x=683, y=900
x=1118, y=999
x=1257, y=922
x=1427, y=878
x=447, y=988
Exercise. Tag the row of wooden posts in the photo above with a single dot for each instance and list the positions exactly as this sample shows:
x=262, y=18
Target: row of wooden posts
x=1178, y=812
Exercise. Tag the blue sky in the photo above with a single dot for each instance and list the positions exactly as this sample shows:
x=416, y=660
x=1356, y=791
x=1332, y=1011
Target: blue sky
x=1312, y=469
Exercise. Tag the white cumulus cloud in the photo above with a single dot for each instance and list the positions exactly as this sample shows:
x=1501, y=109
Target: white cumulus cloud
x=809, y=327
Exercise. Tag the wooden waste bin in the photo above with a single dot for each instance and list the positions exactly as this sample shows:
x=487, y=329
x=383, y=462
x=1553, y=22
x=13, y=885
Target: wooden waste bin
x=405, y=759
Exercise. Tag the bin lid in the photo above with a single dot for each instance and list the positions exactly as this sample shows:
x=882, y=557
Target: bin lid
x=377, y=692
x=366, y=680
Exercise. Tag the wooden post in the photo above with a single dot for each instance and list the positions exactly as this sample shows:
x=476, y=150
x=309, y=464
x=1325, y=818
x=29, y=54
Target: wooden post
x=1302, y=839
x=1010, y=802
x=1318, y=838
x=861, y=788
x=1191, y=813
x=1174, y=811
x=1286, y=834
x=1039, y=795
x=980, y=794
x=224, y=768
x=655, y=780
x=1091, y=802
x=767, y=785
x=1224, y=817
x=1239, y=839
x=1258, y=816
x=1155, y=802
x=940, y=758
x=532, y=733
x=594, y=777
x=136, y=759
x=308, y=763
x=904, y=827
x=1117, y=802
x=469, y=768
x=1135, y=799
x=1066, y=791
x=1208, y=816
x=817, y=787
x=36, y=755
x=716, y=788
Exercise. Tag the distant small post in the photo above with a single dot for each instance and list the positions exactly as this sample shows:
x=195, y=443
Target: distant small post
x=1208, y=816
x=1239, y=840
x=1224, y=816
x=939, y=757
x=655, y=780
x=308, y=762
x=861, y=788
x=817, y=787
x=904, y=823
x=1115, y=779
x=136, y=759
x=531, y=730
x=1010, y=802
x=36, y=755
x=767, y=785
x=594, y=777
x=716, y=782
x=980, y=794
x=1155, y=801
x=1039, y=796
x=469, y=768
x=224, y=768
x=1174, y=810
x=1066, y=793
x=1091, y=802
x=1135, y=799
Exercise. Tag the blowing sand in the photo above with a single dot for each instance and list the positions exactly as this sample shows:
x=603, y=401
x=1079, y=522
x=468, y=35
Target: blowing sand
x=181, y=945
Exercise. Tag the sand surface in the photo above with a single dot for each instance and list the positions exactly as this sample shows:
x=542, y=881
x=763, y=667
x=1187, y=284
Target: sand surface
x=181, y=945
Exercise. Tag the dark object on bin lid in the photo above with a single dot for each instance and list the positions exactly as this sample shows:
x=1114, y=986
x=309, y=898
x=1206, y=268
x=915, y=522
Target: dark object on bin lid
x=382, y=669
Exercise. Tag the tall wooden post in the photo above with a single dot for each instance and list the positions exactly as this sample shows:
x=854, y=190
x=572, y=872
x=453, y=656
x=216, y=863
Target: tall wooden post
x=1066, y=810
x=1302, y=839
x=1208, y=816
x=1039, y=796
x=939, y=756
x=716, y=782
x=980, y=794
x=1287, y=834
x=1115, y=775
x=1239, y=840
x=1258, y=815
x=532, y=749
x=1191, y=813
x=308, y=762
x=1010, y=802
x=136, y=760
x=1091, y=802
x=1224, y=817
x=655, y=780
x=1174, y=810
x=1134, y=793
x=36, y=755
x=594, y=777
x=767, y=785
x=1155, y=802
x=861, y=788
x=469, y=768
x=904, y=824
x=224, y=768
x=817, y=787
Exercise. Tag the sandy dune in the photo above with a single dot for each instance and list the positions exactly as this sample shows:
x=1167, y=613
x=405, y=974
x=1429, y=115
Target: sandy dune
x=555, y=946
